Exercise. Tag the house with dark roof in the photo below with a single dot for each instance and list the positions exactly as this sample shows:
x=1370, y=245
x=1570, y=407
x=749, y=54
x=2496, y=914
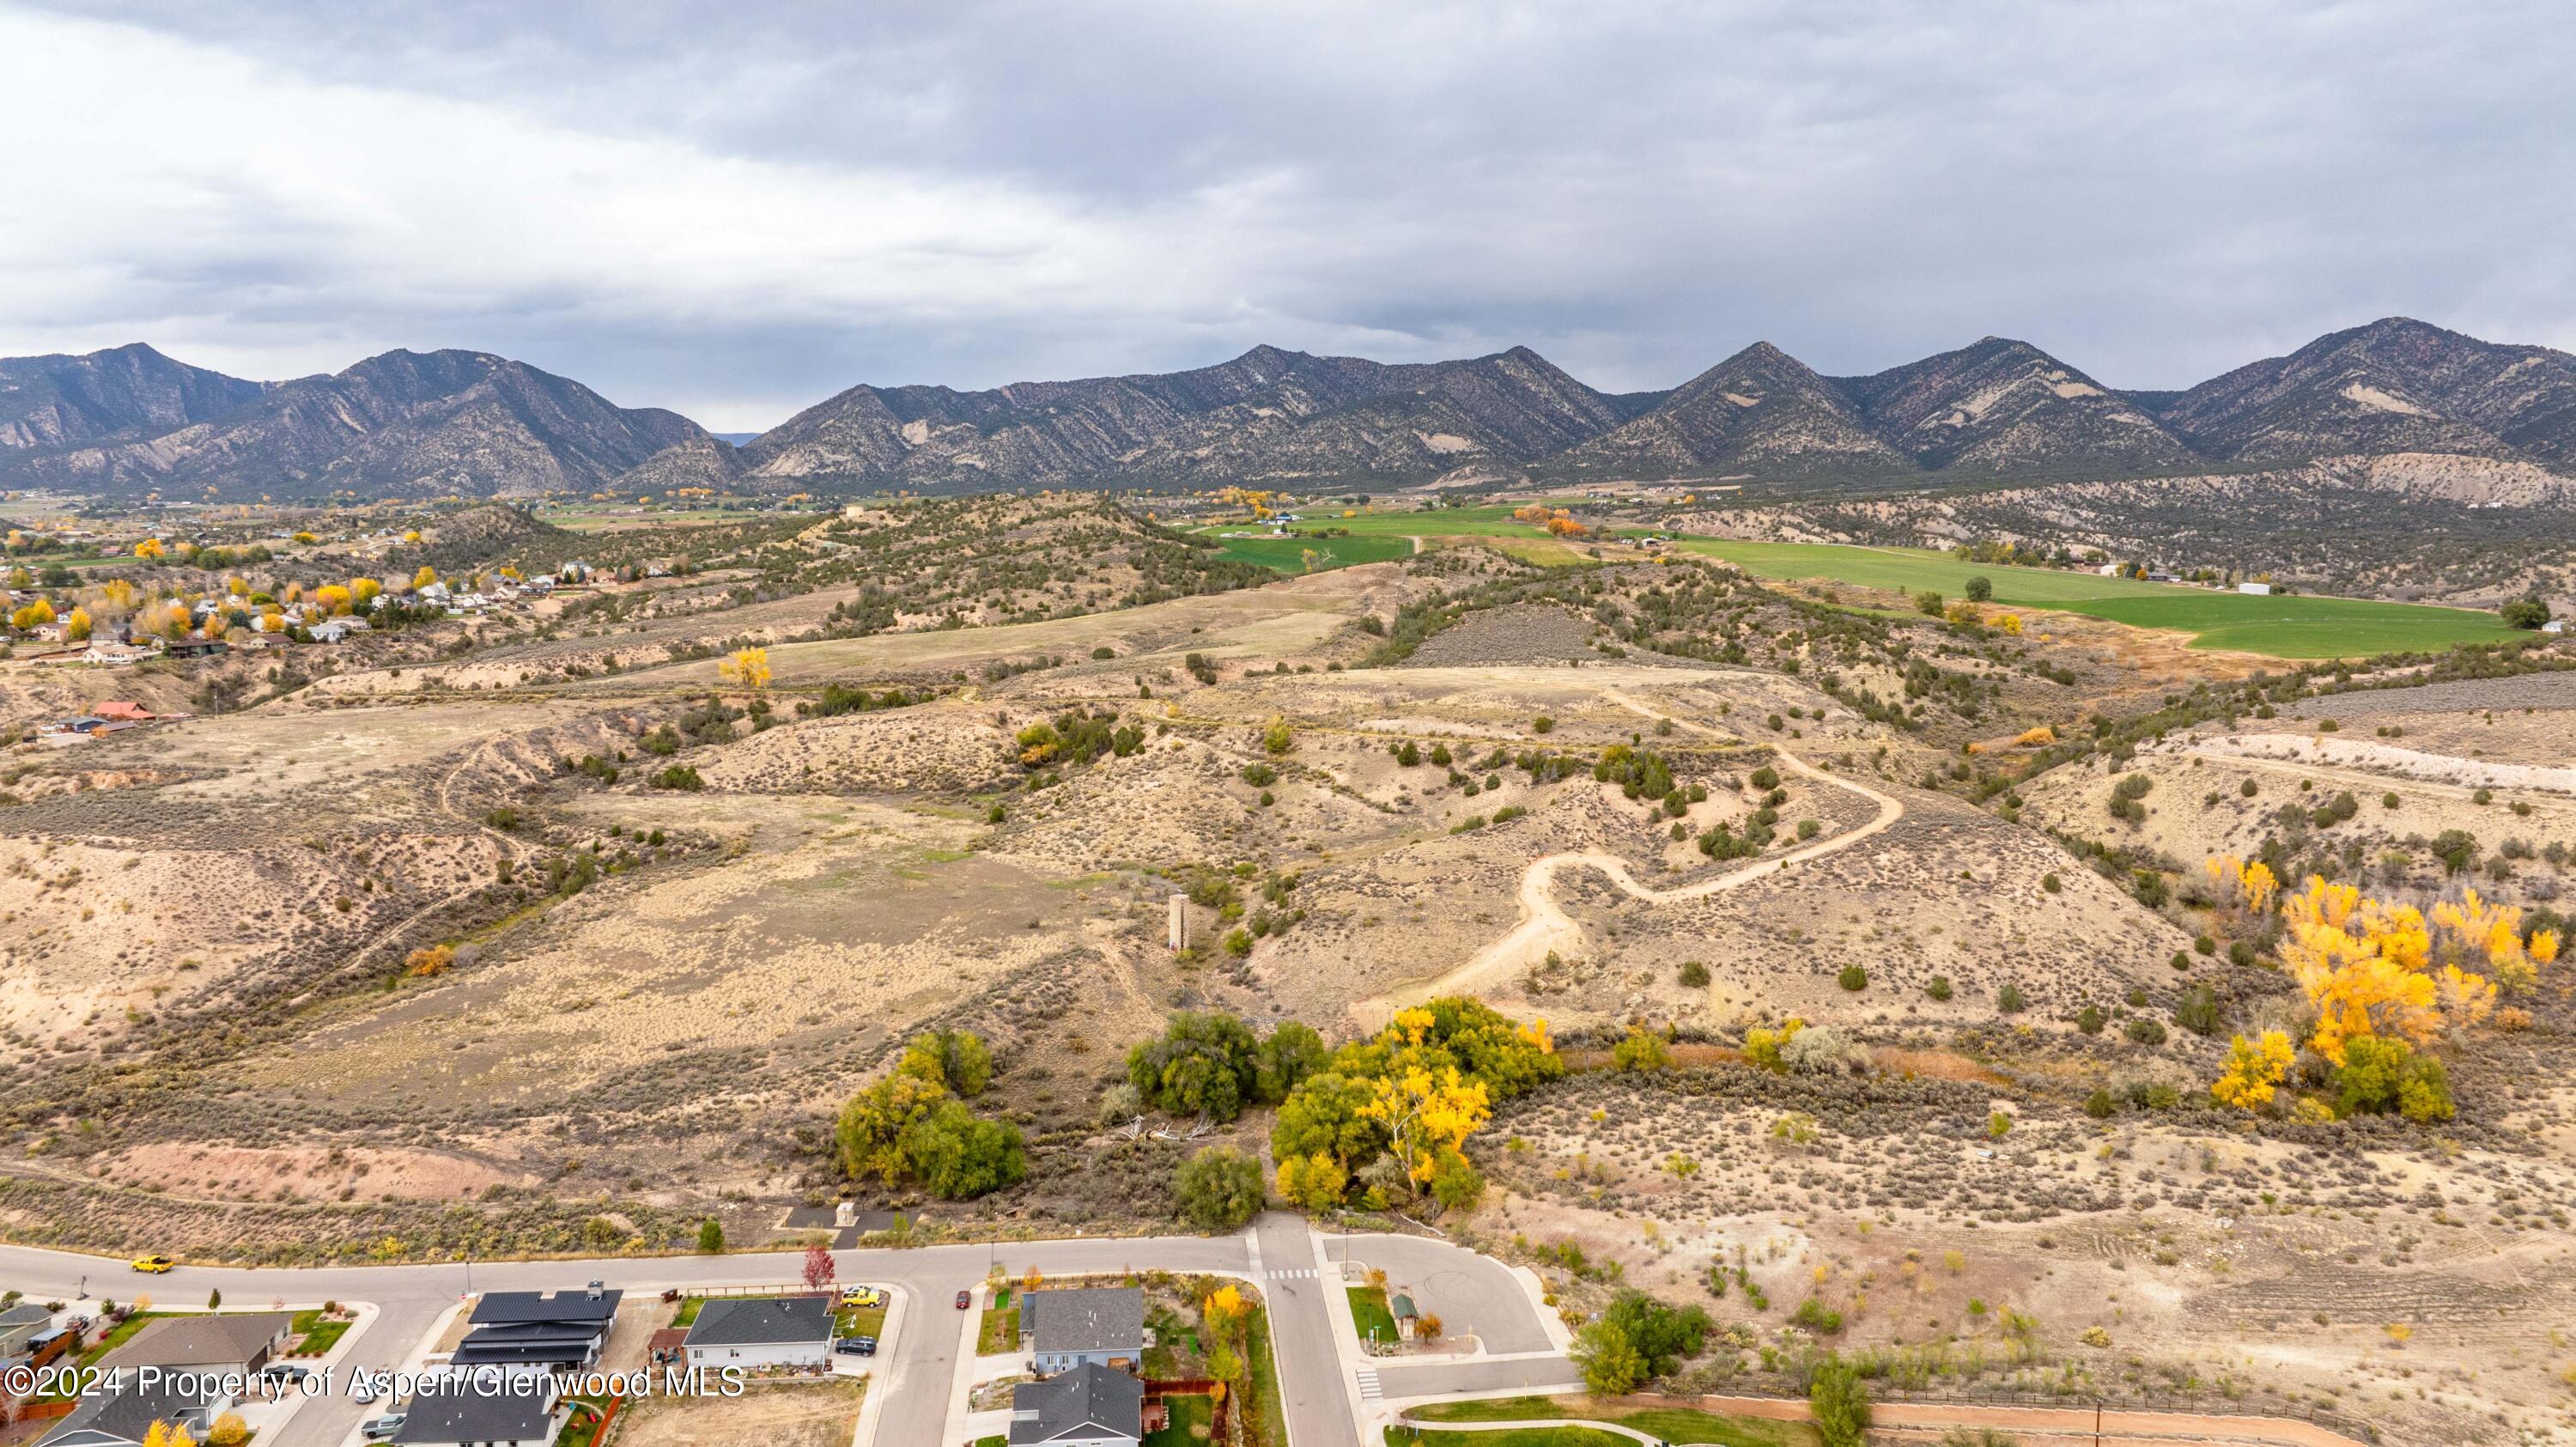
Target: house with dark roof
x=489, y=1407
x=1099, y=1325
x=564, y=1330
x=762, y=1331
x=1089, y=1406
x=20, y=1325
x=124, y=1418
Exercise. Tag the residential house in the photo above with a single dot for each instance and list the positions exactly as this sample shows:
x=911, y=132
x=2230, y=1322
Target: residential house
x=331, y=631
x=125, y=1419
x=230, y=1343
x=1099, y=1325
x=483, y=1409
x=199, y=1357
x=20, y=1325
x=764, y=1331
x=2554, y=625
x=125, y=711
x=196, y=647
x=564, y=1330
x=110, y=651
x=1090, y=1406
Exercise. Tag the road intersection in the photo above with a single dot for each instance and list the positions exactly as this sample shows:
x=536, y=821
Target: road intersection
x=919, y=1388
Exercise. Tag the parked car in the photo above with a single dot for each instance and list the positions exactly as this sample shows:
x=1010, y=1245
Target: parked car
x=965, y=1299
x=283, y=1372
x=153, y=1265
x=362, y=1388
x=862, y=1296
x=384, y=1427
x=856, y=1346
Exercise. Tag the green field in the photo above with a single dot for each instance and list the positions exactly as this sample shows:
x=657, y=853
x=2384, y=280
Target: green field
x=1288, y=555
x=1370, y=1316
x=2286, y=627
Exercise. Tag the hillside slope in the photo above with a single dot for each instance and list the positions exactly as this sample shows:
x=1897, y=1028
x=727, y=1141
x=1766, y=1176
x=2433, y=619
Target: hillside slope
x=59, y=401
x=404, y=423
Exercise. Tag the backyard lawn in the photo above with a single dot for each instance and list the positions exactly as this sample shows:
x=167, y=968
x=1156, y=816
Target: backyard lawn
x=319, y=1333
x=1193, y=1419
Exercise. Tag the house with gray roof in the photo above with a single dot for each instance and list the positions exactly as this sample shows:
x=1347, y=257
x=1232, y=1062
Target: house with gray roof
x=762, y=1331
x=20, y=1325
x=1100, y=1325
x=124, y=1418
x=1089, y=1406
x=486, y=1407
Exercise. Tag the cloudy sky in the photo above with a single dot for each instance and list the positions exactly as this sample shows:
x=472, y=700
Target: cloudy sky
x=737, y=207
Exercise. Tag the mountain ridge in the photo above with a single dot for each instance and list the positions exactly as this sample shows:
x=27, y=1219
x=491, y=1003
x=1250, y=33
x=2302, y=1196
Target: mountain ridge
x=403, y=422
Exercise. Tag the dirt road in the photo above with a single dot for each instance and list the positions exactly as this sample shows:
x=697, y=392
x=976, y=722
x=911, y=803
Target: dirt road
x=1544, y=927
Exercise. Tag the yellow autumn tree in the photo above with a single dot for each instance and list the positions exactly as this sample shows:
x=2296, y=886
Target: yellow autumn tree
x=2247, y=887
x=1426, y=1112
x=332, y=598
x=2474, y=932
x=2254, y=1070
x=77, y=626
x=2010, y=623
x=1313, y=1182
x=364, y=590
x=426, y=576
x=150, y=548
x=215, y=625
x=2367, y=965
x=748, y=667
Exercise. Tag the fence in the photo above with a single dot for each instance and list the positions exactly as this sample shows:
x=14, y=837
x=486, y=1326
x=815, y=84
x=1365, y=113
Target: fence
x=2212, y=1404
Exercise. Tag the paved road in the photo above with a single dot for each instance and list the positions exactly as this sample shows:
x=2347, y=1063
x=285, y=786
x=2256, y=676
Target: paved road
x=1472, y=1295
x=921, y=1366
x=1318, y=1391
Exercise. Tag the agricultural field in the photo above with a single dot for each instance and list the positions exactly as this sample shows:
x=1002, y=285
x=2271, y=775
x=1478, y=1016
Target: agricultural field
x=1304, y=554
x=2297, y=626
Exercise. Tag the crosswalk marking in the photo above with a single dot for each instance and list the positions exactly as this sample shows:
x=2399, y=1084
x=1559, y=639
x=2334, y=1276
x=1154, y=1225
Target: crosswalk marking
x=1368, y=1384
x=1295, y=1273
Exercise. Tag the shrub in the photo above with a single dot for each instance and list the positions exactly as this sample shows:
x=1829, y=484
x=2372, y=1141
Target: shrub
x=1218, y=1189
x=2240, y=953
x=1839, y=1402
x=1939, y=987
x=2051, y=882
x=1642, y=1050
x=2089, y=1019
x=2099, y=1104
x=1853, y=977
x=2145, y=1031
x=2008, y=1000
x=681, y=777
x=2198, y=1012
x=1817, y=1317
x=2381, y=1075
x=1694, y=974
x=1542, y=724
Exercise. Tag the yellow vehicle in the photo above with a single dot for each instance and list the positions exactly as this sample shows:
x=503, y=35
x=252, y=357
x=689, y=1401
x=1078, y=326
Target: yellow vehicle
x=153, y=1265
x=862, y=1296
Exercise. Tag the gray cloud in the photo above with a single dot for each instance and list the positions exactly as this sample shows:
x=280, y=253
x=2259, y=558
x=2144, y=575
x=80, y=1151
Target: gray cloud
x=737, y=208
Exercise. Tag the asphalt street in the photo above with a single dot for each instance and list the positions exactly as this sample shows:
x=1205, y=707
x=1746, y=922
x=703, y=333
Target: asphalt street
x=919, y=1369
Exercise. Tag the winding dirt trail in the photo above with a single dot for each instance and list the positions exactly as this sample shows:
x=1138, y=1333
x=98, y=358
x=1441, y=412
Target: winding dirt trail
x=1544, y=927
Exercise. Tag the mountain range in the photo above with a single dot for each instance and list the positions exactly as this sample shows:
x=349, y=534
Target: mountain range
x=436, y=423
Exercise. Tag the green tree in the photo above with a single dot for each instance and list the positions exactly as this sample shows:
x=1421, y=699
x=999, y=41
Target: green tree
x=1322, y=1116
x=1663, y=1335
x=711, y=1237
x=1981, y=589
x=1218, y=1189
x=1456, y=1183
x=957, y=1155
x=1292, y=1052
x=1611, y=1364
x=2524, y=613
x=2381, y=1075
x=1841, y=1403
x=957, y=1059
x=1202, y=1064
x=873, y=1124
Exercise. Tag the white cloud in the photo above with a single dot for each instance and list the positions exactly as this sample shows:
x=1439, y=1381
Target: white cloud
x=736, y=206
